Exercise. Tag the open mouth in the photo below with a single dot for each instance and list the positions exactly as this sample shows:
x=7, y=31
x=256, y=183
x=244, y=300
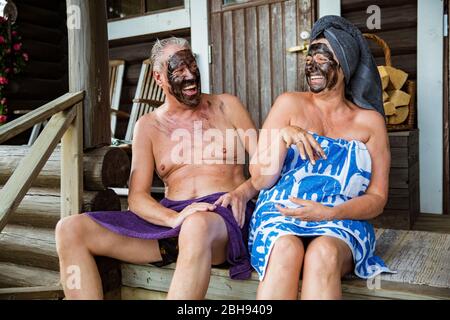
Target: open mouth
x=190, y=90
x=316, y=79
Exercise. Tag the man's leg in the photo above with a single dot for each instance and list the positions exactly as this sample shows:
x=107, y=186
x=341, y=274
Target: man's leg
x=79, y=239
x=327, y=260
x=202, y=242
x=283, y=270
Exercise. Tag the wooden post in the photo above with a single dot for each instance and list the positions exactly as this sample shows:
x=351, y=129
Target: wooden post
x=72, y=166
x=88, y=66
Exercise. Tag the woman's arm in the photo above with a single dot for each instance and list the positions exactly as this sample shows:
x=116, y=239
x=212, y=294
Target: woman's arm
x=364, y=207
x=372, y=203
x=141, y=178
x=276, y=136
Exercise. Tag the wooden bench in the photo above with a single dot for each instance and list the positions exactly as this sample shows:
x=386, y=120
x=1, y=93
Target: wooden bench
x=149, y=282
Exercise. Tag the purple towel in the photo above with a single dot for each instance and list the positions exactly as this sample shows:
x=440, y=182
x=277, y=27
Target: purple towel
x=129, y=224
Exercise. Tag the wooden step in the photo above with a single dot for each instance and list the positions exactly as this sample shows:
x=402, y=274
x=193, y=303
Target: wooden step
x=13, y=275
x=157, y=280
x=29, y=246
x=32, y=293
x=41, y=206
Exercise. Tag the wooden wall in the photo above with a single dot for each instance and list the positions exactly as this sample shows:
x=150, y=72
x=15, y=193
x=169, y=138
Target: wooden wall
x=134, y=51
x=249, y=57
x=42, y=25
x=398, y=29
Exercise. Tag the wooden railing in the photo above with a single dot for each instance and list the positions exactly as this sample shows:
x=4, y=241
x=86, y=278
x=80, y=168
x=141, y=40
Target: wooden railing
x=65, y=125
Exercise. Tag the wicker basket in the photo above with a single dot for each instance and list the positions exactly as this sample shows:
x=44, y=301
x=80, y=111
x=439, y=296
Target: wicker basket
x=409, y=87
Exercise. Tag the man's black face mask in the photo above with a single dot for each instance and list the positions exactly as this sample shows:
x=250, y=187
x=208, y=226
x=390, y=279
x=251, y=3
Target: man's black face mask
x=321, y=68
x=184, y=78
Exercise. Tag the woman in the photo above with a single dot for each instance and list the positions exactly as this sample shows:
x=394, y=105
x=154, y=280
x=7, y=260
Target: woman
x=329, y=171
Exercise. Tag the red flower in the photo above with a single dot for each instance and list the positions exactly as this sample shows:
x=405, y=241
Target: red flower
x=3, y=118
x=17, y=46
x=14, y=33
x=2, y=40
x=3, y=80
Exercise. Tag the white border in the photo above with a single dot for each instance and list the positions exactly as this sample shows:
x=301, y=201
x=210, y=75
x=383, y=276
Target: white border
x=329, y=7
x=200, y=39
x=430, y=103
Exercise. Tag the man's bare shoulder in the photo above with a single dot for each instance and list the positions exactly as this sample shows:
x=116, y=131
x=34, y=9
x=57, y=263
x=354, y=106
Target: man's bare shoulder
x=226, y=103
x=146, y=123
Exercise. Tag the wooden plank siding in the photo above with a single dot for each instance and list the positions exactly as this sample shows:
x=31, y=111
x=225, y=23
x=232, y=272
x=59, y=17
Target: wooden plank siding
x=249, y=57
x=398, y=29
x=42, y=25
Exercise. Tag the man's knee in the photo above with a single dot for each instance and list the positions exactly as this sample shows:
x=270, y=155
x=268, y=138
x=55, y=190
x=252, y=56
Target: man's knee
x=69, y=232
x=198, y=226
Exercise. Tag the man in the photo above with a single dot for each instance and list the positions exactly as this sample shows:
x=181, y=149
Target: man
x=205, y=219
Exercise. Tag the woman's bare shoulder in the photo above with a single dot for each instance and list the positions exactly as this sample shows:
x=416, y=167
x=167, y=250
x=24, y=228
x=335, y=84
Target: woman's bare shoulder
x=371, y=120
x=292, y=101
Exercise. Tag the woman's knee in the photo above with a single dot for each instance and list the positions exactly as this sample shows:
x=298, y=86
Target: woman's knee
x=323, y=254
x=287, y=250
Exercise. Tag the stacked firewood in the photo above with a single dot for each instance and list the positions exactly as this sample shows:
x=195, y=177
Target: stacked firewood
x=396, y=100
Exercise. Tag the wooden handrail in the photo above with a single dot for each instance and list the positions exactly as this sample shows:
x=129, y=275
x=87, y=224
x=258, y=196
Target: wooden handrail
x=29, y=168
x=28, y=120
x=65, y=126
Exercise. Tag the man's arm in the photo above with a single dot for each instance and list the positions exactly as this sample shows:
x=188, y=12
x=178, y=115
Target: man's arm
x=248, y=135
x=141, y=177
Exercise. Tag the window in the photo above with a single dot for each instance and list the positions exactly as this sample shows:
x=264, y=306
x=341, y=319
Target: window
x=225, y=2
x=128, y=8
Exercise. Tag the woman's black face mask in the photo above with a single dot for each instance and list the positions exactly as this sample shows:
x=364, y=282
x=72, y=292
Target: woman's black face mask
x=184, y=78
x=321, y=68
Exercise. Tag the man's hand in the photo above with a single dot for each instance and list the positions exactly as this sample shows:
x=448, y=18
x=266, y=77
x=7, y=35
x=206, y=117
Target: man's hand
x=309, y=210
x=238, y=202
x=191, y=209
x=305, y=142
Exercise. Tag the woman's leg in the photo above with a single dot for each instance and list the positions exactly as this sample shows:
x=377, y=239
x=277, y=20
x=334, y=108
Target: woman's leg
x=79, y=239
x=202, y=242
x=283, y=270
x=327, y=260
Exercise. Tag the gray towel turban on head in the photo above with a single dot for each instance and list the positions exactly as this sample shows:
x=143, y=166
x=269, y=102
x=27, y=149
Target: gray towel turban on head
x=362, y=80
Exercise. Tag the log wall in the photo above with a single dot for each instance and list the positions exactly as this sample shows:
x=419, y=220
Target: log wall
x=42, y=25
x=398, y=29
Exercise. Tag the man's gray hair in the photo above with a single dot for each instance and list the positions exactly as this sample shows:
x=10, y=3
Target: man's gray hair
x=158, y=50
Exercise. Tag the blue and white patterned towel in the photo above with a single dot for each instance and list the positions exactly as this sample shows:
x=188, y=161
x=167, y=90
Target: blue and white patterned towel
x=345, y=174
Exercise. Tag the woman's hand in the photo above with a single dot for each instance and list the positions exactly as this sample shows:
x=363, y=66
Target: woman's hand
x=309, y=210
x=304, y=141
x=191, y=209
x=238, y=201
